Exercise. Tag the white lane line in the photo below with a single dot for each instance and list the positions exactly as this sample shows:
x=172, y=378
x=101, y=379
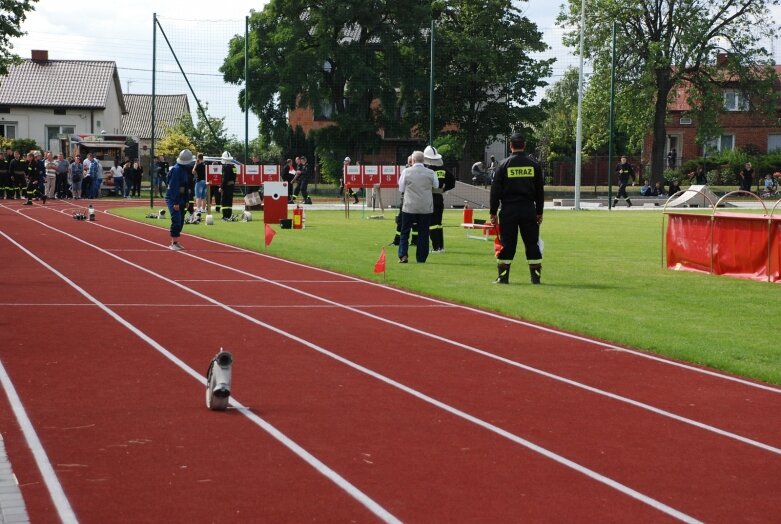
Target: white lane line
x=622, y=488
x=599, y=343
x=61, y=504
x=478, y=351
x=286, y=441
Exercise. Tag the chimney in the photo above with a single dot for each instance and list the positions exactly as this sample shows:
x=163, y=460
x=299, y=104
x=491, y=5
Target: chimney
x=721, y=59
x=39, y=55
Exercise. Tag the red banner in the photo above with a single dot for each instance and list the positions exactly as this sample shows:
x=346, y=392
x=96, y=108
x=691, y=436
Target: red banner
x=214, y=174
x=250, y=176
x=740, y=245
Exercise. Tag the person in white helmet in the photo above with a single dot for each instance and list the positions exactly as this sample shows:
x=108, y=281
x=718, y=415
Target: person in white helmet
x=177, y=195
x=227, y=186
x=433, y=161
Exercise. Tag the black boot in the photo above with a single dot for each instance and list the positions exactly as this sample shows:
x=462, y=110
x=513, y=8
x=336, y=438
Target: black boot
x=536, y=274
x=615, y=202
x=504, y=274
x=628, y=203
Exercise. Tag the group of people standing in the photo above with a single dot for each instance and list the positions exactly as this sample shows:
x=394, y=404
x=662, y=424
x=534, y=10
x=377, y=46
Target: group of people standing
x=44, y=176
x=516, y=207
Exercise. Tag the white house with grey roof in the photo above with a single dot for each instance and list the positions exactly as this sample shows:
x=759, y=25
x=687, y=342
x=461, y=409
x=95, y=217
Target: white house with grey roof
x=137, y=122
x=41, y=99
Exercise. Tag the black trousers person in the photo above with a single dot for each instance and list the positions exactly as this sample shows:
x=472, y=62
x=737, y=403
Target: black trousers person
x=520, y=218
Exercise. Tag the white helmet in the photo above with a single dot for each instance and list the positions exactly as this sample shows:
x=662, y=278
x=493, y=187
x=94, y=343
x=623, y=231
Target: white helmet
x=226, y=157
x=185, y=157
x=431, y=157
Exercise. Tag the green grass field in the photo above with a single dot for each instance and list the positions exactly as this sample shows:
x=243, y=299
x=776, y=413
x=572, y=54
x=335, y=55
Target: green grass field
x=602, y=277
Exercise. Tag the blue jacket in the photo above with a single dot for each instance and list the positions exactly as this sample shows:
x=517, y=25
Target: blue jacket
x=177, y=186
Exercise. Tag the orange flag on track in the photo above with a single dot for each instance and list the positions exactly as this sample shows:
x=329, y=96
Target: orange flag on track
x=269, y=235
x=379, y=266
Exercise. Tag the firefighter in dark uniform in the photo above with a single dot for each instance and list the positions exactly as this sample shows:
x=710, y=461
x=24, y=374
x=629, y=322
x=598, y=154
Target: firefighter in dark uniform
x=433, y=160
x=5, y=177
x=18, y=171
x=624, y=171
x=518, y=188
x=227, y=186
x=31, y=172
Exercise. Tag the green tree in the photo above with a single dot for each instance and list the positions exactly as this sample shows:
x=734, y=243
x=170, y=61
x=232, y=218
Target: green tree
x=665, y=45
x=207, y=134
x=12, y=14
x=561, y=112
x=485, y=75
x=173, y=142
x=337, y=57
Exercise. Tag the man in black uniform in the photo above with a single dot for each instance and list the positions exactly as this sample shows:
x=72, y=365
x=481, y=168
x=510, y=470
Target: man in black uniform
x=227, y=186
x=32, y=172
x=518, y=187
x=18, y=171
x=624, y=171
x=304, y=177
x=433, y=160
x=5, y=177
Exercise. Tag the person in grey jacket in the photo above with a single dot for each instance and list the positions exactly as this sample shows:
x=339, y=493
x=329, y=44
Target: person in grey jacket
x=416, y=183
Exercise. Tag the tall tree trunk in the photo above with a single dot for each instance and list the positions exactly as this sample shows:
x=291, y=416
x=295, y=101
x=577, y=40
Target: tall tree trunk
x=664, y=85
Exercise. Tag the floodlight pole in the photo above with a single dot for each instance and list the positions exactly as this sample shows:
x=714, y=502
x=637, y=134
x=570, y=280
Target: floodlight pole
x=154, y=100
x=246, y=91
x=431, y=88
x=579, y=134
x=611, y=123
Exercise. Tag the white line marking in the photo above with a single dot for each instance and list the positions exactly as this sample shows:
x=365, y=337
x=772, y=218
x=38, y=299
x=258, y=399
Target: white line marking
x=53, y=485
x=478, y=351
x=302, y=453
x=626, y=490
x=491, y=314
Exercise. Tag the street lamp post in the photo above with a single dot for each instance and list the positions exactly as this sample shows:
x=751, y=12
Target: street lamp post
x=431, y=85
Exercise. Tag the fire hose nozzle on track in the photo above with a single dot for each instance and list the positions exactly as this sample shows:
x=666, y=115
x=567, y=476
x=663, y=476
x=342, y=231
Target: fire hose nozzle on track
x=218, y=381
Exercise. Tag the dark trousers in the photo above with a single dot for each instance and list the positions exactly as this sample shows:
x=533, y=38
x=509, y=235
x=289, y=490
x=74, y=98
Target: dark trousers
x=423, y=221
x=6, y=191
x=437, y=235
x=622, y=189
x=512, y=219
x=177, y=219
x=227, y=202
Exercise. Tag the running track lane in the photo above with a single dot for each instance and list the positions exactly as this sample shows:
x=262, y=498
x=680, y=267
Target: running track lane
x=532, y=399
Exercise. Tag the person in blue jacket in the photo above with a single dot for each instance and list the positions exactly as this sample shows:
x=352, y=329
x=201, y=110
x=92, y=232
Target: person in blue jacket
x=177, y=195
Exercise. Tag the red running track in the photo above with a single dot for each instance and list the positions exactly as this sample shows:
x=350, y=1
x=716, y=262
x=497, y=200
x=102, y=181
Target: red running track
x=352, y=401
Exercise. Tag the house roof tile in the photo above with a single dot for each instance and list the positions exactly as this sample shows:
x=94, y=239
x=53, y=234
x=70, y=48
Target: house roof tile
x=138, y=120
x=60, y=83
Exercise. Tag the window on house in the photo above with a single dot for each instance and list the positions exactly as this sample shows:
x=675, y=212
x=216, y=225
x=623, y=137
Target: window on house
x=722, y=143
x=773, y=143
x=735, y=101
x=8, y=130
x=324, y=111
x=53, y=132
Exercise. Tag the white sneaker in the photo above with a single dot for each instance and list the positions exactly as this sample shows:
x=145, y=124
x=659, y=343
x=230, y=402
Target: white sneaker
x=175, y=246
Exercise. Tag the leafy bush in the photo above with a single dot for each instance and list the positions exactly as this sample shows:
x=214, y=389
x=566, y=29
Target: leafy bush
x=24, y=145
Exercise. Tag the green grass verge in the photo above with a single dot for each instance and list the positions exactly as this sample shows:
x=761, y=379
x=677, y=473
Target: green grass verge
x=602, y=277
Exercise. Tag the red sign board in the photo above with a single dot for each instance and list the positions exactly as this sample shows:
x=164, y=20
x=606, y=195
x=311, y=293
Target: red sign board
x=353, y=177
x=250, y=176
x=371, y=176
x=389, y=176
x=270, y=173
x=214, y=174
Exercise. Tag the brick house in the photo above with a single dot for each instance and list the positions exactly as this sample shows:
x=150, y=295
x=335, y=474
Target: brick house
x=742, y=127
